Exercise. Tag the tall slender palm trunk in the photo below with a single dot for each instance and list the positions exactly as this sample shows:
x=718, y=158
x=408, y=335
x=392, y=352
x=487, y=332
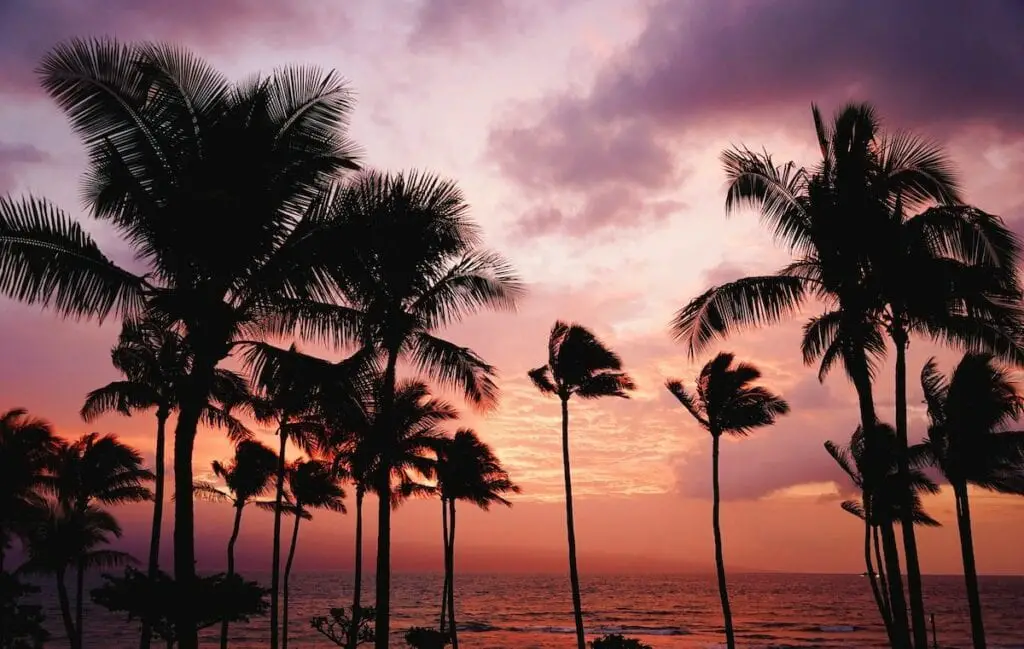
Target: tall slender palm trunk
x=382, y=623
x=275, y=568
x=963, y=522
x=444, y=587
x=357, y=585
x=287, y=577
x=231, y=566
x=74, y=641
x=723, y=589
x=876, y=592
x=574, y=576
x=158, y=513
x=451, y=576
x=917, y=618
x=882, y=580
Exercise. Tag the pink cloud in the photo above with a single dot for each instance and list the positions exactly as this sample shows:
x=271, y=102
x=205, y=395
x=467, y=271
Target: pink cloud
x=12, y=157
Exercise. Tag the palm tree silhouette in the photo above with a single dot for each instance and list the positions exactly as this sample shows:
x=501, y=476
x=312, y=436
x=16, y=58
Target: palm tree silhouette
x=871, y=464
x=312, y=484
x=93, y=470
x=415, y=267
x=357, y=448
x=247, y=476
x=967, y=441
x=578, y=365
x=27, y=446
x=154, y=361
x=844, y=222
x=726, y=402
x=467, y=469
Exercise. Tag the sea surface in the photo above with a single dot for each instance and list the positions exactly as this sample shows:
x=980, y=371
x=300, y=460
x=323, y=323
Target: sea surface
x=668, y=612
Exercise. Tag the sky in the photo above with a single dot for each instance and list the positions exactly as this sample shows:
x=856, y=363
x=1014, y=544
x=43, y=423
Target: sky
x=585, y=135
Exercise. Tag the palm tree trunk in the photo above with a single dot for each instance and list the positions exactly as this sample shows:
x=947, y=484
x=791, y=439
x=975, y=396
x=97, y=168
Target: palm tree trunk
x=723, y=590
x=192, y=398
x=79, y=598
x=917, y=618
x=382, y=623
x=231, y=566
x=451, y=576
x=963, y=521
x=897, y=604
x=882, y=580
x=287, y=576
x=357, y=586
x=574, y=577
x=74, y=641
x=158, y=513
x=883, y=610
x=275, y=568
x=444, y=588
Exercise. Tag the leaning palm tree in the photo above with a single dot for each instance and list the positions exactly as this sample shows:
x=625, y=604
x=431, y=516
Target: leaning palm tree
x=844, y=221
x=870, y=463
x=468, y=470
x=93, y=470
x=246, y=477
x=312, y=485
x=66, y=539
x=355, y=447
x=177, y=153
x=27, y=446
x=154, y=360
x=967, y=441
x=726, y=403
x=416, y=267
x=579, y=364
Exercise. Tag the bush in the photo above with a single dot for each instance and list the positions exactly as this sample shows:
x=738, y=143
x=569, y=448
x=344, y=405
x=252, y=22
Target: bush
x=336, y=624
x=21, y=625
x=420, y=637
x=616, y=641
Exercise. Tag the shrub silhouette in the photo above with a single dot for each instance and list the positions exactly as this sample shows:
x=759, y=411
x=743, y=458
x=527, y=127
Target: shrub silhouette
x=616, y=641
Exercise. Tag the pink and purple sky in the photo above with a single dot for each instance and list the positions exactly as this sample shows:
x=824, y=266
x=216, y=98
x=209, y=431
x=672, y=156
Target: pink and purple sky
x=586, y=136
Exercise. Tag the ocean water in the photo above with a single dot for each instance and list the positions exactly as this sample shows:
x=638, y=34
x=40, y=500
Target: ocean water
x=668, y=612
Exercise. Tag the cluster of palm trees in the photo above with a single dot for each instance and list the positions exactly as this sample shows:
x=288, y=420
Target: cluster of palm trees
x=252, y=224
x=882, y=242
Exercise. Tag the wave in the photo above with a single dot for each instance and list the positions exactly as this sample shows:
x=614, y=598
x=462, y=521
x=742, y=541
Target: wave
x=837, y=628
x=481, y=627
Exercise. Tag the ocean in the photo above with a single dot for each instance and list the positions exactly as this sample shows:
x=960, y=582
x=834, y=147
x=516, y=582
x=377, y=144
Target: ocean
x=668, y=612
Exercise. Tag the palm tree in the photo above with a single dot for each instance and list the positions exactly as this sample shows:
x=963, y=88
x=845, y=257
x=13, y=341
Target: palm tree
x=845, y=223
x=154, y=361
x=578, y=365
x=247, y=476
x=67, y=539
x=178, y=153
x=416, y=267
x=312, y=485
x=356, y=447
x=870, y=462
x=726, y=402
x=27, y=445
x=968, y=443
x=467, y=469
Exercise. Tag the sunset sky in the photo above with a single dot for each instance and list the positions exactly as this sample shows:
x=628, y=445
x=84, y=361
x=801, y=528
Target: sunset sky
x=585, y=134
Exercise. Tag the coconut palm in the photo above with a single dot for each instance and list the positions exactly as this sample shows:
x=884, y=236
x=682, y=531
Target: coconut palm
x=93, y=470
x=177, y=154
x=247, y=476
x=579, y=364
x=727, y=403
x=356, y=447
x=154, y=360
x=968, y=442
x=312, y=485
x=870, y=463
x=416, y=268
x=845, y=222
x=468, y=470
x=27, y=445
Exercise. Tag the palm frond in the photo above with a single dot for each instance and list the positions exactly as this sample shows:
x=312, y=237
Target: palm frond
x=456, y=367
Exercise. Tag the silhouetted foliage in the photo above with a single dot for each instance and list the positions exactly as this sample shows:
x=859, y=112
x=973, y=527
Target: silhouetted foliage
x=217, y=598
x=617, y=641
x=21, y=625
x=419, y=637
x=336, y=626
x=27, y=446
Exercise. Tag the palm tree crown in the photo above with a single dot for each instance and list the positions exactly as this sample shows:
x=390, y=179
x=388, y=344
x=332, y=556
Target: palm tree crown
x=580, y=364
x=98, y=469
x=27, y=446
x=469, y=470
